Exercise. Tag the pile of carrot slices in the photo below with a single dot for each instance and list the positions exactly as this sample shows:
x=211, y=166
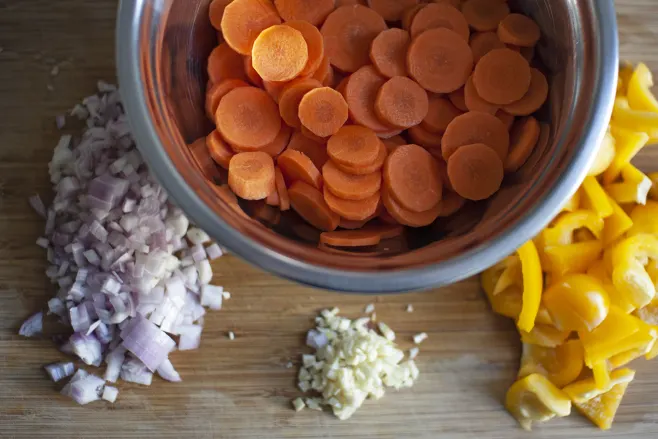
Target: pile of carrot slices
x=364, y=116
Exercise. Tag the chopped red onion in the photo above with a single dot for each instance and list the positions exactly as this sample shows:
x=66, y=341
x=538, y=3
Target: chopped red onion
x=205, y=272
x=197, y=236
x=32, y=326
x=110, y=394
x=56, y=306
x=58, y=371
x=214, y=251
x=38, y=206
x=198, y=253
x=43, y=242
x=167, y=372
x=87, y=347
x=85, y=389
x=114, y=361
x=147, y=342
x=79, y=318
x=134, y=371
x=190, y=337
x=211, y=296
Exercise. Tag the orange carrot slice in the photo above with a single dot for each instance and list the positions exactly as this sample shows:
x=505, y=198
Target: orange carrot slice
x=361, y=93
x=323, y=111
x=523, y=138
x=244, y=20
x=280, y=142
x=436, y=15
x=313, y=11
x=454, y=3
x=225, y=63
x=274, y=89
x=484, y=15
x=506, y=118
x=248, y=117
x=280, y=53
x=391, y=10
x=314, y=42
x=401, y=102
x=309, y=203
x=502, y=76
x=473, y=100
x=315, y=138
x=425, y=138
x=295, y=166
x=458, y=100
x=273, y=198
x=408, y=217
x=475, y=127
x=216, y=12
x=282, y=190
x=439, y=59
x=484, y=42
x=440, y=113
x=353, y=145
x=202, y=158
x=376, y=166
x=352, y=209
x=350, y=238
x=412, y=177
x=252, y=74
x=519, y=30
x=251, y=175
x=387, y=231
x=215, y=94
x=534, y=97
x=388, y=134
x=219, y=150
x=451, y=203
x=389, y=52
x=348, y=33
x=409, y=14
x=324, y=73
x=350, y=187
x=393, y=142
x=475, y=171
x=317, y=152
x=351, y=224
x=340, y=3
x=290, y=98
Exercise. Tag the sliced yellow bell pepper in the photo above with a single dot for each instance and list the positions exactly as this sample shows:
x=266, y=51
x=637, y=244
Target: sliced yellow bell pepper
x=616, y=224
x=595, y=198
x=604, y=156
x=601, y=409
x=509, y=303
x=510, y=276
x=577, y=302
x=572, y=258
x=561, y=233
x=629, y=275
x=625, y=73
x=633, y=189
x=533, y=283
x=573, y=203
x=624, y=358
x=628, y=144
x=617, y=326
x=649, y=313
x=561, y=365
x=639, y=90
x=545, y=335
x=585, y=390
x=601, y=375
x=598, y=270
x=635, y=120
x=645, y=219
x=535, y=399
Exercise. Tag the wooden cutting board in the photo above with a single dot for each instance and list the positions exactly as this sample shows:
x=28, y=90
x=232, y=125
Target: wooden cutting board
x=242, y=388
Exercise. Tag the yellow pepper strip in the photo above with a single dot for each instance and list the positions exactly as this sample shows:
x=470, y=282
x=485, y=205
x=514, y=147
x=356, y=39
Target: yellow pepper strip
x=561, y=233
x=635, y=120
x=601, y=410
x=637, y=340
x=649, y=313
x=645, y=219
x=629, y=275
x=617, y=326
x=595, y=198
x=601, y=375
x=533, y=281
x=509, y=277
x=561, y=365
x=572, y=258
x=584, y=390
x=598, y=270
x=653, y=192
x=624, y=358
x=634, y=188
x=625, y=73
x=535, y=399
x=628, y=144
x=604, y=156
x=509, y=303
x=639, y=90
x=573, y=203
x=577, y=302
x=616, y=224
x=545, y=335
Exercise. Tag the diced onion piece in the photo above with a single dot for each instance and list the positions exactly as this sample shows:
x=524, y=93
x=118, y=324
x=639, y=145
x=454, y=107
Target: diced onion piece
x=419, y=338
x=110, y=394
x=57, y=371
x=32, y=326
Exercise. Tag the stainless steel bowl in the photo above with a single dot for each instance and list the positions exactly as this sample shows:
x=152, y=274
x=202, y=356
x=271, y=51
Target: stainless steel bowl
x=162, y=48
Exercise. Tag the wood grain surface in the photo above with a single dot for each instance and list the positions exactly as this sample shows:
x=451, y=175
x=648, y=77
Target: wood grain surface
x=242, y=388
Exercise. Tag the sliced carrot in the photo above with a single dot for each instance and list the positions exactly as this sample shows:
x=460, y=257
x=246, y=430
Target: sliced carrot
x=309, y=203
x=215, y=94
x=391, y=10
x=475, y=171
x=407, y=217
x=313, y=11
x=484, y=42
x=219, y=150
x=425, y=138
x=388, y=52
x=350, y=187
x=360, y=93
x=216, y=12
x=473, y=100
x=317, y=152
x=356, y=210
x=274, y=89
x=324, y=73
x=315, y=138
x=484, y=15
x=295, y=166
x=252, y=74
x=502, y=76
x=280, y=142
x=401, y=102
x=451, y=203
x=409, y=14
x=273, y=198
x=458, y=100
x=440, y=113
x=376, y=166
x=394, y=142
x=519, y=30
x=248, y=117
x=529, y=169
x=439, y=59
x=282, y=190
x=351, y=224
x=251, y=175
x=387, y=231
x=340, y=3
x=475, y=127
x=202, y=158
x=225, y=63
x=523, y=138
x=412, y=177
x=348, y=33
x=280, y=53
x=437, y=15
x=323, y=111
x=290, y=98
x=533, y=99
x=506, y=118
x=350, y=238
x=244, y=20
x=454, y=3
x=314, y=42
x=388, y=134
x=353, y=145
